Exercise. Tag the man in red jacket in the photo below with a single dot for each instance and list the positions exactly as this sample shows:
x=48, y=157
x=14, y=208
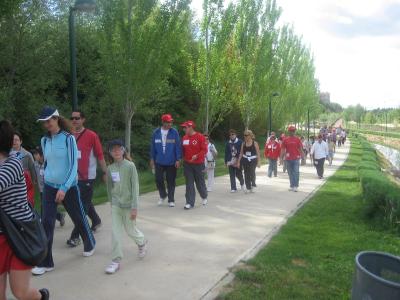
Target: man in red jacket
x=272, y=152
x=194, y=148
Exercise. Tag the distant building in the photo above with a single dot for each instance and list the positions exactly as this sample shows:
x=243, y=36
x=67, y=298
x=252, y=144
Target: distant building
x=325, y=97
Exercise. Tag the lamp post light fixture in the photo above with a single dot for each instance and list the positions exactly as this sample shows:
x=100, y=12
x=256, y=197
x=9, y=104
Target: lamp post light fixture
x=275, y=94
x=79, y=6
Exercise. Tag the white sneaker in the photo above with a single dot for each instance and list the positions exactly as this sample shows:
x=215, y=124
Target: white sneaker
x=187, y=206
x=161, y=201
x=88, y=253
x=233, y=191
x=209, y=190
x=112, y=267
x=242, y=187
x=252, y=190
x=295, y=189
x=205, y=202
x=142, y=250
x=171, y=204
x=40, y=271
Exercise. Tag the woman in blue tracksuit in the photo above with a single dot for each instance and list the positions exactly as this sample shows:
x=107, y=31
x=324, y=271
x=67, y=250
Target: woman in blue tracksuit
x=60, y=184
x=165, y=155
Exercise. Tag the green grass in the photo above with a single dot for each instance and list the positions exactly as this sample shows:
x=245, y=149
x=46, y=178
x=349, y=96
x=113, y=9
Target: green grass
x=312, y=257
x=392, y=134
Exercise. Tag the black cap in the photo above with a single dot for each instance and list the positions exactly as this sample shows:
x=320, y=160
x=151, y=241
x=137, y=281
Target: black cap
x=117, y=142
x=47, y=112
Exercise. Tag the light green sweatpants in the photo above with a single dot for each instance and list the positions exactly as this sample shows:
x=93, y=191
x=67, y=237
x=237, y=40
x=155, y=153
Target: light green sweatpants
x=121, y=218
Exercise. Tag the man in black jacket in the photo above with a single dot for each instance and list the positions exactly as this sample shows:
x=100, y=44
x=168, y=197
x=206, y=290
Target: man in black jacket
x=232, y=152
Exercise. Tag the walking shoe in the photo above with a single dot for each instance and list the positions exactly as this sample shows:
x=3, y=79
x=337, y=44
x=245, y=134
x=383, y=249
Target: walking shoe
x=242, y=187
x=96, y=227
x=142, y=250
x=161, y=201
x=295, y=189
x=205, y=202
x=73, y=242
x=291, y=190
x=187, y=206
x=88, y=253
x=209, y=190
x=62, y=219
x=112, y=267
x=254, y=185
x=171, y=204
x=252, y=190
x=41, y=270
x=233, y=191
x=45, y=294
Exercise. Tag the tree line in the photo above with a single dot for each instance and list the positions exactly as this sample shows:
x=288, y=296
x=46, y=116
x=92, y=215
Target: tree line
x=139, y=59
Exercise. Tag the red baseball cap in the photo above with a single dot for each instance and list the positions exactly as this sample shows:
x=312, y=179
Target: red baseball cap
x=167, y=118
x=291, y=128
x=188, y=124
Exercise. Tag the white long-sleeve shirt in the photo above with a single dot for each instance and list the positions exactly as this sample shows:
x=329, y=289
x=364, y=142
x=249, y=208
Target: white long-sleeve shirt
x=320, y=150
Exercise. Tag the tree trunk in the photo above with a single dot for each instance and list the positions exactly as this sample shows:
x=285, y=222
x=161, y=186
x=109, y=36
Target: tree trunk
x=128, y=125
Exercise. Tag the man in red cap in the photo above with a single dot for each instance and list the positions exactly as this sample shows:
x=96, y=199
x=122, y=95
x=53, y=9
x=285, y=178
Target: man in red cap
x=292, y=152
x=194, y=149
x=165, y=155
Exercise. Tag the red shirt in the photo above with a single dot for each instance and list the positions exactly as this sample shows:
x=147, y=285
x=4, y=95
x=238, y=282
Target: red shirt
x=292, y=145
x=89, y=151
x=30, y=190
x=194, y=145
x=272, y=150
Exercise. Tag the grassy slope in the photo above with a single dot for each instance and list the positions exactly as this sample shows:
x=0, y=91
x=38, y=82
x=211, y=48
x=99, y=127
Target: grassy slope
x=313, y=255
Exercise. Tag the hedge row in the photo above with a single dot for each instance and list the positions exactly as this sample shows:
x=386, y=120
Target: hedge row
x=381, y=195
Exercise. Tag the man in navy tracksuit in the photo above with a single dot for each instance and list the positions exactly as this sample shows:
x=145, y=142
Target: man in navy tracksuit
x=165, y=154
x=232, y=152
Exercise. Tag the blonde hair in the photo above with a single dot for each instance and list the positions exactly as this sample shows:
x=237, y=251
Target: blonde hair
x=250, y=133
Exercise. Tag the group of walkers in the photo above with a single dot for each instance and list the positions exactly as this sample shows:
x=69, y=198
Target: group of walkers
x=64, y=169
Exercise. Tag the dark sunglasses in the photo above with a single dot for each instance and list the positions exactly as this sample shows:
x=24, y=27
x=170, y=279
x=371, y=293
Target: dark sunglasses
x=75, y=118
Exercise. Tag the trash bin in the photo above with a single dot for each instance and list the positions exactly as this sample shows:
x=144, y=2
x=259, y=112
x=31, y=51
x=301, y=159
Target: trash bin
x=377, y=277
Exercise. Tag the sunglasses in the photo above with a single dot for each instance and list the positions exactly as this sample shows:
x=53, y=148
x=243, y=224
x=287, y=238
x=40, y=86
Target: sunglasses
x=75, y=118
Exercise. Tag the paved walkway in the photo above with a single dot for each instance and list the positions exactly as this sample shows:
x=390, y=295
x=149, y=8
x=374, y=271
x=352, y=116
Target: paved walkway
x=189, y=251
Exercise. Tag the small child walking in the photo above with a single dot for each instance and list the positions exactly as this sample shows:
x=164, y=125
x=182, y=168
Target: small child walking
x=123, y=193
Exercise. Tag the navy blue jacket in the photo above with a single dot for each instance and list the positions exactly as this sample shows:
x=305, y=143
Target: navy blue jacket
x=232, y=148
x=173, y=148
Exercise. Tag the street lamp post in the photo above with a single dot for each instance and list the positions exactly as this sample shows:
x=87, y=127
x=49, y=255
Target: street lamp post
x=79, y=6
x=275, y=94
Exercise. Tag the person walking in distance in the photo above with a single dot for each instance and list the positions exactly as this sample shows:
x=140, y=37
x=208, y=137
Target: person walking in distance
x=232, y=153
x=13, y=203
x=194, y=149
x=282, y=160
x=272, y=152
x=165, y=155
x=320, y=152
x=61, y=184
x=123, y=193
x=292, y=151
x=90, y=152
x=25, y=157
x=210, y=162
x=250, y=159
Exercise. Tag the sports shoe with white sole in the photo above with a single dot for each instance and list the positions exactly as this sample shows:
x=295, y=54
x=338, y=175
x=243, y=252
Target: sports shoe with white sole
x=205, y=201
x=187, y=206
x=233, y=191
x=295, y=189
x=171, y=204
x=252, y=190
x=88, y=253
x=45, y=294
x=142, y=250
x=40, y=271
x=161, y=201
x=112, y=267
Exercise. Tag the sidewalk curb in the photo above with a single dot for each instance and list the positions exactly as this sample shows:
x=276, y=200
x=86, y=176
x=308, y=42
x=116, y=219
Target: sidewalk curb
x=229, y=276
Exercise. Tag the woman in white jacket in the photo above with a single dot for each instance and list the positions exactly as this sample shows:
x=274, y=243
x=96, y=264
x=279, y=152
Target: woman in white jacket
x=210, y=162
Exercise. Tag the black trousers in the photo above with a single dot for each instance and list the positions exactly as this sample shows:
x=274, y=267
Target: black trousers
x=86, y=190
x=73, y=205
x=194, y=174
x=166, y=173
x=235, y=173
x=319, y=165
x=249, y=168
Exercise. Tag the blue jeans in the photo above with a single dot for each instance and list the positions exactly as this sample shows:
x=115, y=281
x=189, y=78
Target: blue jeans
x=293, y=167
x=272, y=167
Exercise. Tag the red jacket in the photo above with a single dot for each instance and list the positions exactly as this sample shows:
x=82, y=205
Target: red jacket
x=272, y=150
x=30, y=189
x=194, y=145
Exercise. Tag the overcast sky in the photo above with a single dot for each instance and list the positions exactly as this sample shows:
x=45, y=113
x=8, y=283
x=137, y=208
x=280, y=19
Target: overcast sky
x=356, y=45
